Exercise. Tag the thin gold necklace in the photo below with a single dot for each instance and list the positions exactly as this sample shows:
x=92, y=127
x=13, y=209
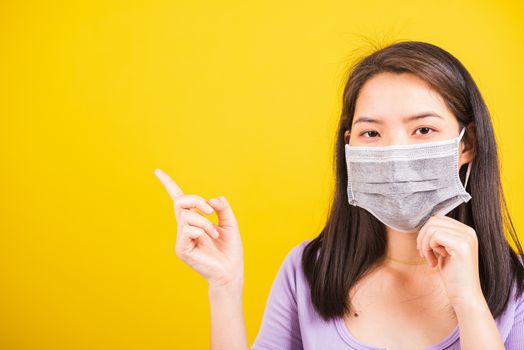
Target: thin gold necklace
x=407, y=262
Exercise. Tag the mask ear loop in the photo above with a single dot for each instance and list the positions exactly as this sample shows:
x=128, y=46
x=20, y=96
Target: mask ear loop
x=467, y=174
x=469, y=164
x=461, y=133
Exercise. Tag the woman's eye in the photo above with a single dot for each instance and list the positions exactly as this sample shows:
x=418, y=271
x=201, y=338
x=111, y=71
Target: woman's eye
x=424, y=130
x=369, y=133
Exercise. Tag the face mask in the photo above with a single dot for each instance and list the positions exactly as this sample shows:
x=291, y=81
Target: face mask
x=404, y=185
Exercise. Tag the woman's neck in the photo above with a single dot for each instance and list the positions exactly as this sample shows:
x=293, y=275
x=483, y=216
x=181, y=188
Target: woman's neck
x=401, y=250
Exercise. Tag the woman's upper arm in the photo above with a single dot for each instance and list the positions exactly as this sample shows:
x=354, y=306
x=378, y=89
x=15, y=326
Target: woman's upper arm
x=515, y=339
x=280, y=329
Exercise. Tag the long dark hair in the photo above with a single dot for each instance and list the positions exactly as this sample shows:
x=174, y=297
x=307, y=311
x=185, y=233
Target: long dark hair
x=353, y=241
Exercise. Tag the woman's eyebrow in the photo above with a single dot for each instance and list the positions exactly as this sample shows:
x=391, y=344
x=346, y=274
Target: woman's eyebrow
x=407, y=119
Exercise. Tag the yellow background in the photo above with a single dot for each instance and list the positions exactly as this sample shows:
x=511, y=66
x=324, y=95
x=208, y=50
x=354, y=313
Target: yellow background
x=230, y=98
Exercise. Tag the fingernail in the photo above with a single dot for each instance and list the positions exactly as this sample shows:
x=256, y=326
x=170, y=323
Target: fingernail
x=216, y=233
x=209, y=209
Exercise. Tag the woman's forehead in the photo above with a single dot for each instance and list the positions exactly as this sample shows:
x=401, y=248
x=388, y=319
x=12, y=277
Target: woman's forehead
x=392, y=97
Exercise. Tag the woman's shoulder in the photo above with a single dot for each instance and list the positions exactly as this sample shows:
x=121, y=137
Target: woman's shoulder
x=519, y=298
x=291, y=266
x=294, y=256
x=511, y=321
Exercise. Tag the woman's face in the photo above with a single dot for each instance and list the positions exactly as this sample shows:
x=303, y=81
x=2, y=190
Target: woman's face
x=397, y=109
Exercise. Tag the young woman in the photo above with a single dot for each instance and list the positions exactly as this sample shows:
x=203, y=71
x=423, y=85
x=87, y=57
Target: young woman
x=414, y=253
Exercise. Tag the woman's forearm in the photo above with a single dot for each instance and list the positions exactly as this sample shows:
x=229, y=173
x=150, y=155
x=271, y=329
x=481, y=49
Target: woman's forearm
x=228, y=331
x=478, y=329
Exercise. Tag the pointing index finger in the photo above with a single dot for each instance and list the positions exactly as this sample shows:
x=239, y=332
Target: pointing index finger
x=170, y=185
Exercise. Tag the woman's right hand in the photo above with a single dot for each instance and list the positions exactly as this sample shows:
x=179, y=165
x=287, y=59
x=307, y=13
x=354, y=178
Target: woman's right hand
x=214, y=251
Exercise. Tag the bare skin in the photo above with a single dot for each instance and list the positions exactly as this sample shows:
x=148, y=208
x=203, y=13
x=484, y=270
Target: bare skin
x=400, y=307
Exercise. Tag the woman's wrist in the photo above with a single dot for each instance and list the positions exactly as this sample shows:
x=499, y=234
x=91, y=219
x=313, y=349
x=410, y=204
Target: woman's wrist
x=471, y=305
x=230, y=288
x=228, y=330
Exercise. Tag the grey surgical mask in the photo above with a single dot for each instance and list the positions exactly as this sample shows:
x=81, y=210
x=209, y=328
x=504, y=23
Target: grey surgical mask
x=404, y=185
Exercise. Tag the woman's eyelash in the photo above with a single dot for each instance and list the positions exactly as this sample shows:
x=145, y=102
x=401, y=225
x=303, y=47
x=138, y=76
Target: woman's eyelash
x=425, y=127
x=361, y=134
x=373, y=131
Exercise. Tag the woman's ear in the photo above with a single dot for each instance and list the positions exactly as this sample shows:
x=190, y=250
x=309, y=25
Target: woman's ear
x=347, y=135
x=468, y=149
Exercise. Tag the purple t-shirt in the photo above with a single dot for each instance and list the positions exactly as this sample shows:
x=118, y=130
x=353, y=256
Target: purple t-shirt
x=290, y=321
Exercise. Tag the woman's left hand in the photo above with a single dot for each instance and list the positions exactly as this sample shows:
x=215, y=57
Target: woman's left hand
x=452, y=246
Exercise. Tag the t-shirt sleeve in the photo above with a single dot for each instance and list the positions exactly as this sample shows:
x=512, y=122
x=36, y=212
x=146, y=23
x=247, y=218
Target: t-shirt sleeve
x=515, y=339
x=279, y=329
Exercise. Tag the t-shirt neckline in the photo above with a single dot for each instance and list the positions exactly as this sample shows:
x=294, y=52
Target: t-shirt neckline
x=349, y=339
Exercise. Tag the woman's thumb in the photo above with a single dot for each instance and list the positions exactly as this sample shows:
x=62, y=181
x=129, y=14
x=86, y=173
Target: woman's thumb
x=226, y=217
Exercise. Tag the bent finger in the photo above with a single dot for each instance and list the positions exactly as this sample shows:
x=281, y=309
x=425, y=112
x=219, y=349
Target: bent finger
x=191, y=201
x=452, y=242
x=428, y=250
x=198, y=220
x=226, y=217
x=188, y=237
x=193, y=232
